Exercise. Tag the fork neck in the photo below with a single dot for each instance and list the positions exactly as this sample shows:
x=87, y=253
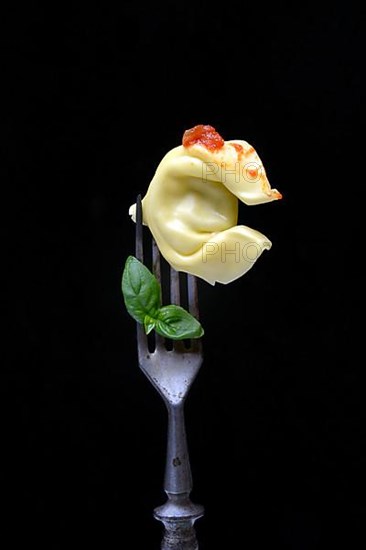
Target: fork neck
x=178, y=477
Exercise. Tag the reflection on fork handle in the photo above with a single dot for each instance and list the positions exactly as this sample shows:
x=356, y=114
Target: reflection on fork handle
x=178, y=514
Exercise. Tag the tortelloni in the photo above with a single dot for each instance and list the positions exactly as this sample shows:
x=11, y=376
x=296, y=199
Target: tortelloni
x=191, y=206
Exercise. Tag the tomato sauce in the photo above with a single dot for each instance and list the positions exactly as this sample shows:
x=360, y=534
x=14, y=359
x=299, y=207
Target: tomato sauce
x=205, y=135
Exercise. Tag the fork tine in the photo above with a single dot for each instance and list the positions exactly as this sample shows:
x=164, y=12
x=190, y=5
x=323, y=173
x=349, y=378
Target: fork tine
x=141, y=336
x=159, y=340
x=156, y=261
x=192, y=295
x=139, y=241
x=196, y=344
x=175, y=299
x=174, y=287
x=142, y=347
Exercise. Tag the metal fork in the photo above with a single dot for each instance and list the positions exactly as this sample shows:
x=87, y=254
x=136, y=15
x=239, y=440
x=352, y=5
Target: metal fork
x=172, y=374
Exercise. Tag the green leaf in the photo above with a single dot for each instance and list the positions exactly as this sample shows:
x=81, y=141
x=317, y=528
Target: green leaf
x=142, y=296
x=141, y=291
x=176, y=323
x=149, y=324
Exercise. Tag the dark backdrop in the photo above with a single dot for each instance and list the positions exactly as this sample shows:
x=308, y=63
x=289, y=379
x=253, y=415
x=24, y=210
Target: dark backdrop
x=95, y=96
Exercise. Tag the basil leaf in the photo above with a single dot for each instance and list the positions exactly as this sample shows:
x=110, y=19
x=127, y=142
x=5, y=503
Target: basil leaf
x=141, y=291
x=142, y=297
x=176, y=323
x=149, y=324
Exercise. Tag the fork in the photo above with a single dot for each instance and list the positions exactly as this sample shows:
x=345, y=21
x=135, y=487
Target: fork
x=172, y=373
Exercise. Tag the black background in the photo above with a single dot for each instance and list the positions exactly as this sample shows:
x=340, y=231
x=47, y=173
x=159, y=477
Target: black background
x=95, y=96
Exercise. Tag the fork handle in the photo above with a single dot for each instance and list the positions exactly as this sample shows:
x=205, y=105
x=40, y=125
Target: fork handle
x=178, y=514
x=178, y=477
x=179, y=535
